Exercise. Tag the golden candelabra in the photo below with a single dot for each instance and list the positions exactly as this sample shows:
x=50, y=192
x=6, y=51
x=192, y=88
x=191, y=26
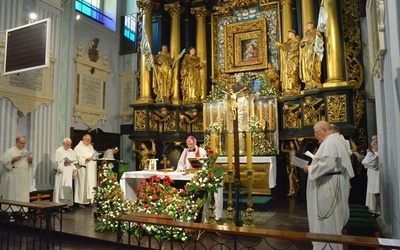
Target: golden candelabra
x=249, y=221
x=229, y=218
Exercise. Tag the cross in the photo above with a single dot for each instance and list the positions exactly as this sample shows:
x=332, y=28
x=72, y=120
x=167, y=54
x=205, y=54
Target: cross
x=165, y=162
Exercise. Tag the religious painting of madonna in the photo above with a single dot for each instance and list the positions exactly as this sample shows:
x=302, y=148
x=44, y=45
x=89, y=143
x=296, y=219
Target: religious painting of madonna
x=247, y=41
x=249, y=49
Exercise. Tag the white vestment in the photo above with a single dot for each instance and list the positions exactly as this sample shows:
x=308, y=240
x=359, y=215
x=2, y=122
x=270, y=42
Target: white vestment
x=63, y=192
x=370, y=162
x=86, y=176
x=184, y=163
x=328, y=188
x=15, y=178
x=109, y=154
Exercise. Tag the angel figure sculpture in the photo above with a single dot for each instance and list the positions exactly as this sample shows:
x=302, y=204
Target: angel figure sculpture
x=291, y=170
x=291, y=115
x=145, y=153
x=311, y=113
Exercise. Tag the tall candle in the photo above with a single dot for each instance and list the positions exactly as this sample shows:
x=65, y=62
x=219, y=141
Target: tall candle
x=204, y=119
x=211, y=115
x=270, y=115
x=213, y=142
x=218, y=112
x=249, y=149
x=260, y=112
x=230, y=151
x=253, y=113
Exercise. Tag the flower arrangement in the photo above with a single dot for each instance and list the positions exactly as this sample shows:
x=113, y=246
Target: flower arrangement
x=261, y=146
x=157, y=196
x=109, y=199
x=252, y=80
x=209, y=178
x=257, y=82
x=214, y=128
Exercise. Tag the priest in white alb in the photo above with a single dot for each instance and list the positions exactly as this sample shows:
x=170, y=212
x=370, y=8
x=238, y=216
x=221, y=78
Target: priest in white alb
x=328, y=185
x=64, y=164
x=86, y=177
x=15, y=177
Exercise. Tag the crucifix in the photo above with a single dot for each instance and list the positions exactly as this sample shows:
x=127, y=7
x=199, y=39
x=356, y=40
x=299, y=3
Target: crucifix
x=165, y=162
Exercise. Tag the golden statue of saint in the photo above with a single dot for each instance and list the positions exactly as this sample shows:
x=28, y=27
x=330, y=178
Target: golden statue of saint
x=310, y=65
x=290, y=66
x=190, y=78
x=145, y=153
x=272, y=77
x=162, y=74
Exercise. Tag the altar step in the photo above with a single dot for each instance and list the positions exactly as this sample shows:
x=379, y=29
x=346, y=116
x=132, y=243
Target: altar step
x=260, y=202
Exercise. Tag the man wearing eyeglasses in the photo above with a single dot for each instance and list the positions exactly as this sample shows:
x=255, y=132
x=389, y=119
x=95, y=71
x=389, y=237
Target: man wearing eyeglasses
x=328, y=185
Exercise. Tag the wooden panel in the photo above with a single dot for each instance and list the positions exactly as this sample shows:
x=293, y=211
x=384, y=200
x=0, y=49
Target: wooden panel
x=260, y=178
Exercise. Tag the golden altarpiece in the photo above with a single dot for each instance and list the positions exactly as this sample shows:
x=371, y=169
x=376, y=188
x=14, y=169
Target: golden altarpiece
x=244, y=60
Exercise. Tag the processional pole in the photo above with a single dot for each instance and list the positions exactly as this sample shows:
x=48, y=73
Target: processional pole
x=238, y=220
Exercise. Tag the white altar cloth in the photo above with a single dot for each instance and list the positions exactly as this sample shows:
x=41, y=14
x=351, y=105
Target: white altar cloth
x=130, y=181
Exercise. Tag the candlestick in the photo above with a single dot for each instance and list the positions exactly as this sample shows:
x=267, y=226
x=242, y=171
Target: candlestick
x=204, y=118
x=270, y=109
x=218, y=113
x=260, y=111
x=211, y=114
x=230, y=151
x=249, y=150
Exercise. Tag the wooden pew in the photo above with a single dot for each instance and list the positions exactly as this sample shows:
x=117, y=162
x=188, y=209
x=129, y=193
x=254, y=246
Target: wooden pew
x=157, y=220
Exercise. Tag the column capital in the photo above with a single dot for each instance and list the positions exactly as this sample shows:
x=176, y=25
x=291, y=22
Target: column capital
x=199, y=12
x=174, y=9
x=147, y=6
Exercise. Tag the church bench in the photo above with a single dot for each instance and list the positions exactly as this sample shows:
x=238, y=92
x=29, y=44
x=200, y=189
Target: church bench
x=44, y=217
x=240, y=231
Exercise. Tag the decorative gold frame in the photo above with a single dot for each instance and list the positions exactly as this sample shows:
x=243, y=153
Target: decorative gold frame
x=239, y=34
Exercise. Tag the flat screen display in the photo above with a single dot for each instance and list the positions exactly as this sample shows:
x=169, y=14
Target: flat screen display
x=27, y=47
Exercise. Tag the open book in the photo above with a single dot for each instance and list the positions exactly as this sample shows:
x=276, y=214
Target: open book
x=359, y=156
x=309, y=154
x=68, y=161
x=298, y=162
x=96, y=154
x=26, y=154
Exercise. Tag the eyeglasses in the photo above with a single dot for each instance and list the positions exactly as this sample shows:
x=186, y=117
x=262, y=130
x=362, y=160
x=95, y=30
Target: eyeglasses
x=316, y=132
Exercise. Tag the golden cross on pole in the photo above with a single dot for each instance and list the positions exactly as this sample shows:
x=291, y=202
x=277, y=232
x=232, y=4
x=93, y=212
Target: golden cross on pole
x=165, y=162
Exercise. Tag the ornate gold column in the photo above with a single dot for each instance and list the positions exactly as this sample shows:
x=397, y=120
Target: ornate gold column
x=307, y=13
x=201, y=49
x=147, y=6
x=333, y=46
x=287, y=18
x=175, y=10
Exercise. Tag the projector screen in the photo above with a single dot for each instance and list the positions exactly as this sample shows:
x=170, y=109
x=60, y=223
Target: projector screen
x=27, y=47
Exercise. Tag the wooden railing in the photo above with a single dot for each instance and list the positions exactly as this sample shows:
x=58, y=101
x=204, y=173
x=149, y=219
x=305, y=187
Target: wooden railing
x=238, y=235
x=30, y=225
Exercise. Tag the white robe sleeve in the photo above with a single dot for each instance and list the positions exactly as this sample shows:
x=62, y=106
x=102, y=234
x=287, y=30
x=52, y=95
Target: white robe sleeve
x=181, y=164
x=5, y=160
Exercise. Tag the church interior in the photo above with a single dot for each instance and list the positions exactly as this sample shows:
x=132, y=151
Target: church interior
x=248, y=79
